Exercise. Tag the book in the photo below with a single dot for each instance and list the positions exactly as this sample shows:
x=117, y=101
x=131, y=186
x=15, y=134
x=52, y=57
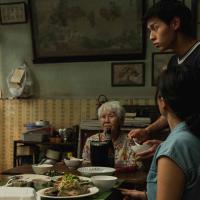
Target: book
x=127, y=115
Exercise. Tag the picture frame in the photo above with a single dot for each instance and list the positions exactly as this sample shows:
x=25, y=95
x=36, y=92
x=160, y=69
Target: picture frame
x=194, y=9
x=72, y=31
x=198, y=14
x=159, y=62
x=128, y=74
x=155, y=1
x=13, y=13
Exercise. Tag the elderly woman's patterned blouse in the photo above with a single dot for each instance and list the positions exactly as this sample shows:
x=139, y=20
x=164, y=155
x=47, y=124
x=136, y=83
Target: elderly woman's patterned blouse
x=124, y=156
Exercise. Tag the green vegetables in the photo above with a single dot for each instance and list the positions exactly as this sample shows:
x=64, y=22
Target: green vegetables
x=52, y=173
x=68, y=185
x=70, y=177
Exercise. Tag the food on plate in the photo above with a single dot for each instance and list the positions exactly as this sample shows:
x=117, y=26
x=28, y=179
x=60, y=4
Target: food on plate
x=68, y=185
x=29, y=180
x=52, y=173
x=40, y=184
x=20, y=183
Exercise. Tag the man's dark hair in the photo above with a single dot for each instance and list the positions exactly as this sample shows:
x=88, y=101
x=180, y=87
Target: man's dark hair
x=166, y=10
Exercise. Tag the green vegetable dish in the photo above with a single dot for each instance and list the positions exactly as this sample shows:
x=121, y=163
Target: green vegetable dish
x=68, y=185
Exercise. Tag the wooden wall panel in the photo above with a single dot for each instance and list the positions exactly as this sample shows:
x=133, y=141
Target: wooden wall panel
x=66, y=114
x=61, y=113
x=2, y=135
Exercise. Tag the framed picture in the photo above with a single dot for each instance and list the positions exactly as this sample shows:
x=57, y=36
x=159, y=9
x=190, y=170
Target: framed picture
x=198, y=13
x=13, y=13
x=89, y=30
x=159, y=62
x=194, y=9
x=155, y=1
x=128, y=74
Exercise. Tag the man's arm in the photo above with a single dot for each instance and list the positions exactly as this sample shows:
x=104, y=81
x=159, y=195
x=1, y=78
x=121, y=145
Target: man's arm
x=158, y=125
x=142, y=134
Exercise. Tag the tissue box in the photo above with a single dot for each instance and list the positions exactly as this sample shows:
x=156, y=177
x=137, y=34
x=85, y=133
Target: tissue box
x=16, y=193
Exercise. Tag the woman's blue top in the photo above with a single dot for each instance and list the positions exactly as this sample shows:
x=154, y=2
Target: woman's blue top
x=183, y=148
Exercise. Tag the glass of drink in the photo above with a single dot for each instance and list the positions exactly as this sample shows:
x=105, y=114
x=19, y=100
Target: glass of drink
x=99, y=153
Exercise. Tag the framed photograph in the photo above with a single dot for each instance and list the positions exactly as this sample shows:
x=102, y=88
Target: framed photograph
x=159, y=62
x=89, y=30
x=13, y=13
x=128, y=74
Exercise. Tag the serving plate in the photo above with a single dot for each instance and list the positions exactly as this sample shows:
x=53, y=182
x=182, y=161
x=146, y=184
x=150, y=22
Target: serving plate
x=27, y=178
x=92, y=191
x=31, y=177
x=92, y=171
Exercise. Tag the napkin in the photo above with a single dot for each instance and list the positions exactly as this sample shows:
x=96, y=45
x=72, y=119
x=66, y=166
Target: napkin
x=16, y=193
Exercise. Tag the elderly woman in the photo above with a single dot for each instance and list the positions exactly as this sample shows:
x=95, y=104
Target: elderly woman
x=111, y=116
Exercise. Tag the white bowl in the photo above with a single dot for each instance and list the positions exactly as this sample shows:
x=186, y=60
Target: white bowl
x=140, y=148
x=41, y=169
x=93, y=171
x=104, y=183
x=73, y=163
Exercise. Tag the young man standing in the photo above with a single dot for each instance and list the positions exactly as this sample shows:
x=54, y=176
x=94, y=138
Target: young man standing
x=171, y=27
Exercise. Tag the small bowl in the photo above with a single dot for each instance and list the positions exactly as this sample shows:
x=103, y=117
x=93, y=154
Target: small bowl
x=73, y=163
x=40, y=184
x=104, y=183
x=140, y=148
x=41, y=169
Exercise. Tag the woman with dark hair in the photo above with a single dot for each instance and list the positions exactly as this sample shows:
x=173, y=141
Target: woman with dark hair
x=175, y=170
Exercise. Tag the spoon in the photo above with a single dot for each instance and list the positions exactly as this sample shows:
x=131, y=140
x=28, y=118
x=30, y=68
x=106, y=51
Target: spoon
x=136, y=143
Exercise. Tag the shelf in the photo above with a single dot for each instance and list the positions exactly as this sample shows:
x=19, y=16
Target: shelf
x=61, y=147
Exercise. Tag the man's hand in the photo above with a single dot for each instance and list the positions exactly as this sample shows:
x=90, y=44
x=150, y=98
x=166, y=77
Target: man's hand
x=141, y=134
x=149, y=152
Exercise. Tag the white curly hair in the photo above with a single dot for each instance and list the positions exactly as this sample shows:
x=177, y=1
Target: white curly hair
x=113, y=106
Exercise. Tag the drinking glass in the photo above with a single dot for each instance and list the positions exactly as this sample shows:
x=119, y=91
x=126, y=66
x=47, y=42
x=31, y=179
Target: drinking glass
x=99, y=153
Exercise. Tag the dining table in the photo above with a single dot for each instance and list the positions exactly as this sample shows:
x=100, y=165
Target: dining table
x=131, y=179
